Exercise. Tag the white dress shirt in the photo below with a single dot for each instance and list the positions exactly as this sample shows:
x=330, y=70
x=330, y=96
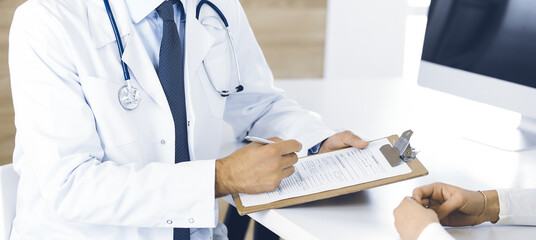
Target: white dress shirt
x=517, y=207
x=145, y=11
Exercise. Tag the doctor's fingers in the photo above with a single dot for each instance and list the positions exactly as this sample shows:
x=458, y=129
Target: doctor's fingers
x=288, y=171
x=351, y=139
x=288, y=160
x=286, y=147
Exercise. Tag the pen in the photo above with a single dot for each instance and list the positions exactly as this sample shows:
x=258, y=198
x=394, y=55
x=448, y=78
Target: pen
x=258, y=140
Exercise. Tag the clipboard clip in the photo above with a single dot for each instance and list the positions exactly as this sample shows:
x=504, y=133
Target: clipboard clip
x=400, y=151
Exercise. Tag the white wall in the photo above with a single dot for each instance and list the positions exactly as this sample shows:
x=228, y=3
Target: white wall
x=365, y=39
x=374, y=39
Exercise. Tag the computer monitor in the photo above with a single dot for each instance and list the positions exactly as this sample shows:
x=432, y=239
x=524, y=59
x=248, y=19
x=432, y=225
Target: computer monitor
x=485, y=50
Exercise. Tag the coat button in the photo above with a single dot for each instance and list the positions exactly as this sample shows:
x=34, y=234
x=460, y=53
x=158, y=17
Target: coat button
x=191, y=220
x=163, y=141
x=169, y=222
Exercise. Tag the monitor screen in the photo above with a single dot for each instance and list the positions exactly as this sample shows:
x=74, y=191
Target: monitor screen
x=495, y=38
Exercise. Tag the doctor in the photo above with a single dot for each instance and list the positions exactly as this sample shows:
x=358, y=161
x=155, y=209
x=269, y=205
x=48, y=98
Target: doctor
x=117, y=143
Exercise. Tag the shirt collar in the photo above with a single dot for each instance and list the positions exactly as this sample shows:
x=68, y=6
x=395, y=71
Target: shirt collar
x=139, y=9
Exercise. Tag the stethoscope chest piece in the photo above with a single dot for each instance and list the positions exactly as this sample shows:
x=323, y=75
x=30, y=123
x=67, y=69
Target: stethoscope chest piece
x=129, y=97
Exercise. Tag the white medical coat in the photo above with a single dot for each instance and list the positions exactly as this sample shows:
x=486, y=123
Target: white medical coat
x=90, y=169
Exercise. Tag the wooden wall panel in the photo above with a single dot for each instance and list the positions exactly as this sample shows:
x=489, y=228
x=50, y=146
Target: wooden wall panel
x=291, y=34
x=7, y=128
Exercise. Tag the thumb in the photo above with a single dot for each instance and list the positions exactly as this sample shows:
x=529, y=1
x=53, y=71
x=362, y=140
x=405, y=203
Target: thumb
x=447, y=207
x=350, y=139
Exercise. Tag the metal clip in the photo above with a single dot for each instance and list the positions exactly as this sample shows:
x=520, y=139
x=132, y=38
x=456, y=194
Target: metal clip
x=400, y=151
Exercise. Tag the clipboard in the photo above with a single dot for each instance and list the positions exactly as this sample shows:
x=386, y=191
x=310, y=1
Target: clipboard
x=417, y=170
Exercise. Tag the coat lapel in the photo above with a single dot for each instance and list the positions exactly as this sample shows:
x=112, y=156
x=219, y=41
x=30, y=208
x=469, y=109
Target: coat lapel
x=198, y=43
x=135, y=55
x=198, y=40
x=99, y=23
x=140, y=65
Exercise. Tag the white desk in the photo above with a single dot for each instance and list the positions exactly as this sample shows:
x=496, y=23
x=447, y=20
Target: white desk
x=379, y=108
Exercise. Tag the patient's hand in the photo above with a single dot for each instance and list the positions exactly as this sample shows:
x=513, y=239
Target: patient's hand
x=457, y=206
x=411, y=218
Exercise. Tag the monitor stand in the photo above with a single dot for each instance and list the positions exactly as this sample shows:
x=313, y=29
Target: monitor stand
x=522, y=138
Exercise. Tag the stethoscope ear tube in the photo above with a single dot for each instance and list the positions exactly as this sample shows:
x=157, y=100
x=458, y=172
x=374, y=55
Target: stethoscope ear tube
x=216, y=9
x=240, y=87
x=226, y=93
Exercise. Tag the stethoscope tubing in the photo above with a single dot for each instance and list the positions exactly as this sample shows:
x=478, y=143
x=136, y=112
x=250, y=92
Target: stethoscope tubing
x=240, y=87
x=128, y=95
x=115, y=29
x=214, y=7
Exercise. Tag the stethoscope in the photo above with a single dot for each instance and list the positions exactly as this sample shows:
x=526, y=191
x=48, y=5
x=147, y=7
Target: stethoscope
x=128, y=95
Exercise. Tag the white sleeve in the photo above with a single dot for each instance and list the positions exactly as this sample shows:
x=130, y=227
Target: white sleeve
x=434, y=231
x=59, y=150
x=517, y=206
x=261, y=109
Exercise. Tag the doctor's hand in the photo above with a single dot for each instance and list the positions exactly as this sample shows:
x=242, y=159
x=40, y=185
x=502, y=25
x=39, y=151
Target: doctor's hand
x=411, y=219
x=342, y=140
x=256, y=168
x=457, y=206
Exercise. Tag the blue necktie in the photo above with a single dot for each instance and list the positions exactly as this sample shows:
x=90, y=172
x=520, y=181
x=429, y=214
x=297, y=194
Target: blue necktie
x=171, y=74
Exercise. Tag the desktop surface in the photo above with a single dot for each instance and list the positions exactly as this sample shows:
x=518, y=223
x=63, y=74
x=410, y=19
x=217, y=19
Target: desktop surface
x=379, y=108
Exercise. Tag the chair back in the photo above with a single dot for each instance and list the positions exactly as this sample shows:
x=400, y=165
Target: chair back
x=9, y=181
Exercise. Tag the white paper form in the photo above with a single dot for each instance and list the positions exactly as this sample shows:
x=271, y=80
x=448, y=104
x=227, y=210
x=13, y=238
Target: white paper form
x=333, y=170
